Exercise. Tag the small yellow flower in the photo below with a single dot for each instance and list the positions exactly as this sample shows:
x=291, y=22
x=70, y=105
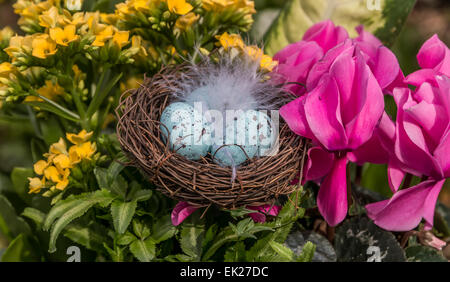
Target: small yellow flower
x=256, y=54
x=62, y=184
x=52, y=173
x=5, y=69
x=267, y=63
x=43, y=46
x=50, y=90
x=121, y=38
x=102, y=36
x=6, y=33
x=49, y=18
x=228, y=41
x=58, y=148
x=62, y=161
x=64, y=36
x=79, y=138
x=180, y=7
x=141, y=5
x=84, y=150
x=36, y=184
x=40, y=166
x=185, y=21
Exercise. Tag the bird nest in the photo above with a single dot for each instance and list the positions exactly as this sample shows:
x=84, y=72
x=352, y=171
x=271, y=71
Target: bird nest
x=201, y=183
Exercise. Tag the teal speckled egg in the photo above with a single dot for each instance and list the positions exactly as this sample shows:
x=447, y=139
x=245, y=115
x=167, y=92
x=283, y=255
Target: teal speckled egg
x=189, y=135
x=243, y=137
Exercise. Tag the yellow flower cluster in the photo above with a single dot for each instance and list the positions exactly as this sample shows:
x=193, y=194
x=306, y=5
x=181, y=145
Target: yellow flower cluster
x=58, y=27
x=244, y=8
x=234, y=42
x=55, y=170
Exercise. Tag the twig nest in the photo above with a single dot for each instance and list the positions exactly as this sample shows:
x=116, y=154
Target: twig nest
x=202, y=175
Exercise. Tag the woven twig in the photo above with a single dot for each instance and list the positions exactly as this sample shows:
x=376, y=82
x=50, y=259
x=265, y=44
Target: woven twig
x=200, y=183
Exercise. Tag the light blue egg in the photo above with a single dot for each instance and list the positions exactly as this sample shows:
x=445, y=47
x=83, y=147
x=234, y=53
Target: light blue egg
x=239, y=147
x=189, y=135
x=251, y=130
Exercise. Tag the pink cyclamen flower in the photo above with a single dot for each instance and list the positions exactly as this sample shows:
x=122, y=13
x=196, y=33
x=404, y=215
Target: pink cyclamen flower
x=182, y=210
x=262, y=211
x=422, y=148
x=339, y=115
x=305, y=62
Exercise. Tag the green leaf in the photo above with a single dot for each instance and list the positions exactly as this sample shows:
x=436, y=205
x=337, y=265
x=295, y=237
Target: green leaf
x=235, y=253
x=298, y=15
x=117, y=255
x=192, y=236
x=114, y=183
x=359, y=239
x=67, y=211
x=307, y=252
x=20, y=250
x=51, y=130
x=87, y=236
x=284, y=252
x=423, y=254
x=163, y=229
x=144, y=251
x=100, y=96
x=11, y=225
x=122, y=213
x=19, y=179
x=126, y=239
x=52, y=107
x=35, y=215
x=142, y=195
x=140, y=229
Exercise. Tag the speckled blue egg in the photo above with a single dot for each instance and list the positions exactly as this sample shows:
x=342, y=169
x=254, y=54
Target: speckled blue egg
x=252, y=131
x=189, y=135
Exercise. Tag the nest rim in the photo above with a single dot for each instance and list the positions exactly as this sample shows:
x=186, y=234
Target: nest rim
x=201, y=183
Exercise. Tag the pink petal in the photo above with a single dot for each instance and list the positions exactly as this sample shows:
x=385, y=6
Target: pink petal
x=326, y=34
x=323, y=66
x=367, y=37
x=421, y=76
x=442, y=154
x=367, y=102
x=319, y=163
x=181, y=211
x=263, y=211
x=385, y=67
x=395, y=176
x=322, y=109
x=406, y=208
x=294, y=115
x=295, y=62
x=370, y=152
x=332, y=197
x=434, y=54
x=432, y=120
x=410, y=145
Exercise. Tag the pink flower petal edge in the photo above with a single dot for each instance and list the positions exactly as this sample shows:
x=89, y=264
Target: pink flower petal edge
x=181, y=211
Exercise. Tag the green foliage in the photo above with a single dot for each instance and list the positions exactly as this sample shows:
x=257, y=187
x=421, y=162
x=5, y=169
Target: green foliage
x=70, y=209
x=11, y=225
x=298, y=15
x=122, y=214
x=307, y=252
x=20, y=250
x=420, y=253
